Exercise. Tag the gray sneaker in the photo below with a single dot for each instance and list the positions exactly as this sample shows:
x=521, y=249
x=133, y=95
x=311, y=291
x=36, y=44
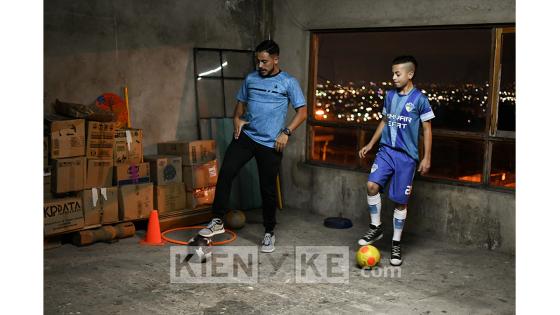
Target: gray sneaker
x=215, y=227
x=268, y=243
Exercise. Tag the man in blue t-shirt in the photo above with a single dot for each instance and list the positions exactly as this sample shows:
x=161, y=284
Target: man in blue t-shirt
x=260, y=132
x=403, y=110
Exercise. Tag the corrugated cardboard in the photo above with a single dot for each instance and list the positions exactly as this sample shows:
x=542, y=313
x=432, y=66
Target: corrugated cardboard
x=45, y=151
x=100, y=206
x=68, y=136
x=136, y=201
x=200, y=197
x=99, y=173
x=110, y=203
x=170, y=197
x=62, y=215
x=47, y=193
x=100, y=140
x=128, y=146
x=69, y=174
x=192, y=152
x=127, y=174
x=165, y=169
x=200, y=175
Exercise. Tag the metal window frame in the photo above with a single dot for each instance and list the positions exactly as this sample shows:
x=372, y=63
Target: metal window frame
x=489, y=135
x=220, y=77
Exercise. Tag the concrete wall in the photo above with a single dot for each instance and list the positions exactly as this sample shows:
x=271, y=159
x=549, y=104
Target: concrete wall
x=93, y=47
x=465, y=215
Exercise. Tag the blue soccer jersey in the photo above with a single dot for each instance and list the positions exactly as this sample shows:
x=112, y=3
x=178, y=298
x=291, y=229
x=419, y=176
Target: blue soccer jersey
x=267, y=101
x=404, y=113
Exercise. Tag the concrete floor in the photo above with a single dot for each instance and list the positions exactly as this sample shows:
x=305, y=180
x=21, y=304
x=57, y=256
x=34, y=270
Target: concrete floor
x=435, y=278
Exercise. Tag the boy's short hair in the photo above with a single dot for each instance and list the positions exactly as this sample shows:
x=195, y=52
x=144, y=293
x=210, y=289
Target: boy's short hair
x=268, y=46
x=404, y=59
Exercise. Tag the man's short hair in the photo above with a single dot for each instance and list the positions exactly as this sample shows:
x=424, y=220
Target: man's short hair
x=268, y=46
x=404, y=59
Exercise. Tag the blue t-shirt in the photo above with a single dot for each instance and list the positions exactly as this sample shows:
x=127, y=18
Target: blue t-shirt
x=404, y=113
x=267, y=104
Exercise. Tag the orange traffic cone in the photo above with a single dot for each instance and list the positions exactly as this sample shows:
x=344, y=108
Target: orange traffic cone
x=153, y=234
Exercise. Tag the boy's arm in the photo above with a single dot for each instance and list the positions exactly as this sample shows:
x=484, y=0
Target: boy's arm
x=374, y=139
x=424, y=166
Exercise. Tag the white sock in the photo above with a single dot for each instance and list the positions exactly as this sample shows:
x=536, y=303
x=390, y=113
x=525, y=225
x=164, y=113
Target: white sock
x=374, y=204
x=398, y=223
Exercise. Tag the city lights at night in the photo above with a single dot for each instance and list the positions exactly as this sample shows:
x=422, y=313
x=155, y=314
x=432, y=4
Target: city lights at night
x=362, y=102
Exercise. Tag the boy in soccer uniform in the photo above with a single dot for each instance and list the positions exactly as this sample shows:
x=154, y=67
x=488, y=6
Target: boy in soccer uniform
x=403, y=110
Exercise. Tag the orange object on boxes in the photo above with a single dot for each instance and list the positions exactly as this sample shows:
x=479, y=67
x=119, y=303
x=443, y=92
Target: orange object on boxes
x=200, y=175
x=68, y=136
x=100, y=140
x=165, y=169
x=136, y=201
x=62, y=215
x=200, y=197
x=192, y=152
x=128, y=146
x=69, y=174
x=170, y=197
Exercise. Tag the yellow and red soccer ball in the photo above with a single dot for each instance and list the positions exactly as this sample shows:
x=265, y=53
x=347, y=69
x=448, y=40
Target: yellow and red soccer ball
x=367, y=256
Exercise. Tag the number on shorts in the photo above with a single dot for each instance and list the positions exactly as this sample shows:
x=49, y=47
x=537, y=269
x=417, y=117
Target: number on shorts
x=408, y=190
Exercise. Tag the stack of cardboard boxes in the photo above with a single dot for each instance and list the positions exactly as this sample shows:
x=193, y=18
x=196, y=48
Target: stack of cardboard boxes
x=132, y=175
x=99, y=197
x=96, y=174
x=200, y=169
x=64, y=175
x=167, y=174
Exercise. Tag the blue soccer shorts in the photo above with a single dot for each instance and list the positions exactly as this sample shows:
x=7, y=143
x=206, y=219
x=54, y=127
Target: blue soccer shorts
x=397, y=166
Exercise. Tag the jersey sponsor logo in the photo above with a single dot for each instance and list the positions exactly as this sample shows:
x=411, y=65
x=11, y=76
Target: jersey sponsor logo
x=373, y=168
x=409, y=107
x=398, y=121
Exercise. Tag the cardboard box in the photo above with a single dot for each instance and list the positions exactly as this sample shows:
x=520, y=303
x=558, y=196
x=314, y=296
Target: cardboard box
x=45, y=151
x=200, y=197
x=69, y=174
x=100, y=206
x=165, y=169
x=99, y=173
x=100, y=140
x=47, y=193
x=192, y=152
x=127, y=174
x=170, y=197
x=201, y=175
x=110, y=203
x=68, y=136
x=136, y=201
x=128, y=146
x=63, y=215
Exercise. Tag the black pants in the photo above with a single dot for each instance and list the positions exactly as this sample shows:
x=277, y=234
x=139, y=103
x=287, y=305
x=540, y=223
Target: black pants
x=238, y=153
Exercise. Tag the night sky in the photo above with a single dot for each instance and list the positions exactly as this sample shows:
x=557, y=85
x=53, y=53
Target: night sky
x=444, y=56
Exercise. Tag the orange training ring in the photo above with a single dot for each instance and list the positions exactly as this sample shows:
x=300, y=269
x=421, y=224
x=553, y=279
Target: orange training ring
x=171, y=240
